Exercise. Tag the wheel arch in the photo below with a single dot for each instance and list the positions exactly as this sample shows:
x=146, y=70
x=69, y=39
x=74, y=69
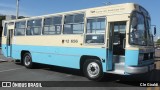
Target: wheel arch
x=87, y=57
x=22, y=54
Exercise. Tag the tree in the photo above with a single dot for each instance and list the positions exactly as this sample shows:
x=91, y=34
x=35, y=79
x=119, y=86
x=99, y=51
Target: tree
x=1, y=18
x=158, y=42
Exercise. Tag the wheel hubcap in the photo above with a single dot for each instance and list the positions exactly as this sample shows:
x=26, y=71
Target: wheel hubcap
x=93, y=69
x=27, y=60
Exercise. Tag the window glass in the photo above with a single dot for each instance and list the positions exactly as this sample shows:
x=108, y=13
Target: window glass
x=57, y=20
x=78, y=28
x=34, y=27
x=137, y=32
x=47, y=21
x=20, y=28
x=48, y=30
x=119, y=32
x=116, y=34
x=19, y=32
x=52, y=25
x=79, y=18
x=96, y=25
x=122, y=28
x=150, y=35
x=68, y=29
x=69, y=19
x=21, y=24
x=36, y=30
x=94, y=39
x=95, y=30
x=74, y=24
x=91, y=26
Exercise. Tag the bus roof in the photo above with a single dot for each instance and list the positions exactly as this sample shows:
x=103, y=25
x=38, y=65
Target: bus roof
x=91, y=12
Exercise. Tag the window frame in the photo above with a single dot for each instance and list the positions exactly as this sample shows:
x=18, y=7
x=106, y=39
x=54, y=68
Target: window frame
x=129, y=40
x=20, y=28
x=95, y=18
x=34, y=26
x=51, y=17
x=79, y=23
x=96, y=33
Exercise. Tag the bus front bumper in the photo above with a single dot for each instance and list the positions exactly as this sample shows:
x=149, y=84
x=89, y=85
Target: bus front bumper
x=139, y=70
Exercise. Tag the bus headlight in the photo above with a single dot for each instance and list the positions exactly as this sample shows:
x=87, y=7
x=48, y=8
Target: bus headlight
x=141, y=57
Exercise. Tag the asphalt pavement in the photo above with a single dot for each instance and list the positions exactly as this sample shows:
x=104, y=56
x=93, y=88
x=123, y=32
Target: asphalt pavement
x=9, y=71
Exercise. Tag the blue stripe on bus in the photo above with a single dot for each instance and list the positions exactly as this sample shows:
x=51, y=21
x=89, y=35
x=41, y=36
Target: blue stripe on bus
x=60, y=56
x=69, y=56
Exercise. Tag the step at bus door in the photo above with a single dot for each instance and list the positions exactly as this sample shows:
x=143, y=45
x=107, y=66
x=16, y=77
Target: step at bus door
x=9, y=42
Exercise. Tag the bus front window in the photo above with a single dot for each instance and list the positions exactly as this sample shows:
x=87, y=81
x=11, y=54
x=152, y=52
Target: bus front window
x=150, y=36
x=137, y=31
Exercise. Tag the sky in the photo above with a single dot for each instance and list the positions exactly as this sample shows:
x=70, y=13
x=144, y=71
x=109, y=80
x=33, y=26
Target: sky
x=43, y=7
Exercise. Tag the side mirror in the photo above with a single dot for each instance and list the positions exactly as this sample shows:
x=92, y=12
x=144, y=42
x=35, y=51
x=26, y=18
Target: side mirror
x=155, y=30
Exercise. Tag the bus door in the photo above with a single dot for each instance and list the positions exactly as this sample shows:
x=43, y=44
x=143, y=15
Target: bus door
x=117, y=38
x=9, y=42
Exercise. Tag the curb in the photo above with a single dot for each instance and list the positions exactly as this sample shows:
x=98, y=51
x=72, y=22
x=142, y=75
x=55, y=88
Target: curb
x=2, y=60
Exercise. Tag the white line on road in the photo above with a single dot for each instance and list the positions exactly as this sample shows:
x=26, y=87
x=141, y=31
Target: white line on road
x=11, y=69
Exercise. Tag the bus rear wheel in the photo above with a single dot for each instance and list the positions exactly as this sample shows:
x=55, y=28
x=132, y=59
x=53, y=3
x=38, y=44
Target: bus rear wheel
x=93, y=70
x=27, y=60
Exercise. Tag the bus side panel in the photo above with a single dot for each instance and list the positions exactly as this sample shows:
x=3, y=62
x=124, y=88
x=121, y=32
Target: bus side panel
x=60, y=56
x=54, y=59
x=4, y=50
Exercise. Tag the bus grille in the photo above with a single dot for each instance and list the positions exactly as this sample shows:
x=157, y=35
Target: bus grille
x=148, y=56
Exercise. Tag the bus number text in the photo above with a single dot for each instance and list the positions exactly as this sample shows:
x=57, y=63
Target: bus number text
x=71, y=41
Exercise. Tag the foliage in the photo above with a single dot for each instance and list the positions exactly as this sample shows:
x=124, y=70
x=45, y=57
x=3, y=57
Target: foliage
x=158, y=41
x=1, y=18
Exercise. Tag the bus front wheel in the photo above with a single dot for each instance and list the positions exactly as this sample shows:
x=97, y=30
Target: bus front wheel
x=93, y=70
x=27, y=60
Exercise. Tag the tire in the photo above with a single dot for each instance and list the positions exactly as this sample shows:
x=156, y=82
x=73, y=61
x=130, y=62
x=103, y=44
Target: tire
x=93, y=70
x=27, y=60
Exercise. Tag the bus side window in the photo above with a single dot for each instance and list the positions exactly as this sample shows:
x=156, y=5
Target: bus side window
x=34, y=27
x=74, y=24
x=52, y=25
x=95, y=30
x=20, y=28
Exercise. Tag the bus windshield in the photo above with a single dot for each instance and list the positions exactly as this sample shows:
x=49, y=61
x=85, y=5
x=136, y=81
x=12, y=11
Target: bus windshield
x=150, y=36
x=137, y=31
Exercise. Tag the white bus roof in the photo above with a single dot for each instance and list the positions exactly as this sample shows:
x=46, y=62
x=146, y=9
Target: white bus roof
x=91, y=12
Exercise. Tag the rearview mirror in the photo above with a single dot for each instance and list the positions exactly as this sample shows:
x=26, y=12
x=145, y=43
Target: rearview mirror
x=154, y=30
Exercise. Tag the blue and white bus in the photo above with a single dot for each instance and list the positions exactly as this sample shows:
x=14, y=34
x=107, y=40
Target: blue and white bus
x=109, y=39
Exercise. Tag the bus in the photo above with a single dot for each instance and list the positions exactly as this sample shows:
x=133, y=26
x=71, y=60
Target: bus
x=109, y=39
